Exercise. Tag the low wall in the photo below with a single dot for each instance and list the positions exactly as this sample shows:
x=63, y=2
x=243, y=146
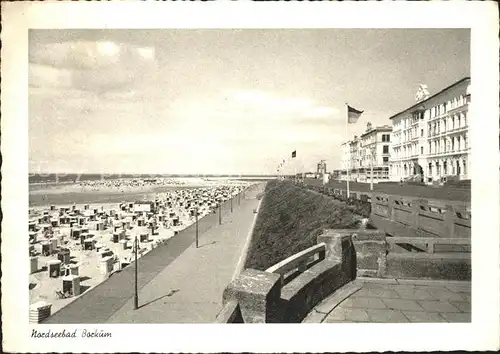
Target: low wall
x=376, y=257
x=401, y=216
x=398, y=217
x=265, y=297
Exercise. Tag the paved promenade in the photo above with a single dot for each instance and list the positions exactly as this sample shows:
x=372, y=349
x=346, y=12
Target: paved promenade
x=190, y=289
x=396, y=301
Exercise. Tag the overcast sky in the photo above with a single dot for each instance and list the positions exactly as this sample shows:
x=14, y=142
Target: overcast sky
x=222, y=101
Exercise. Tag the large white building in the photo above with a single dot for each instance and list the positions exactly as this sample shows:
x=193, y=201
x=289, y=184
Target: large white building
x=430, y=138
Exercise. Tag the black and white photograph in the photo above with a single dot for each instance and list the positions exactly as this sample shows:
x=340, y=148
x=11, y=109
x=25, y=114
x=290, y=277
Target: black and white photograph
x=206, y=174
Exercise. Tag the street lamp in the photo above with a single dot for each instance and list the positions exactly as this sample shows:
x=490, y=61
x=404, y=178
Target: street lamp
x=371, y=168
x=196, y=217
x=220, y=211
x=136, y=295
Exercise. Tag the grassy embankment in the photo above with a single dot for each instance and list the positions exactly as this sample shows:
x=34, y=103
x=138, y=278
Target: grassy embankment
x=289, y=221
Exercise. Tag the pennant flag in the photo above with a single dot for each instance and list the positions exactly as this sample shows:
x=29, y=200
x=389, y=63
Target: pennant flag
x=353, y=115
x=294, y=154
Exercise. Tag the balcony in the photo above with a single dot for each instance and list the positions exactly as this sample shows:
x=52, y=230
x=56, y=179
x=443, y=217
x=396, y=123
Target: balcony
x=450, y=153
x=457, y=129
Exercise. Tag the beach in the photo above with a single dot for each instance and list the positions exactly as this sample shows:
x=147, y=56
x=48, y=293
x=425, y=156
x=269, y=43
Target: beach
x=89, y=233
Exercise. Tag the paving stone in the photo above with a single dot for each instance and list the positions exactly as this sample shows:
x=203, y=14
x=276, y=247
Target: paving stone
x=456, y=317
x=423, y=317
x=367, y=302
x=386, y=316
x=437, y=306
x=400, y=304
x=347, y=303
x=377, y=280
x=356, y=315
x=415, y=294
x=377, y=292
x=467, y=297
x=373, y=285
x=337, y=315
x=337, y=297
x=459, y=288
x=314, y=317
x=402, y=287
x=463, y=306
x=445, y=294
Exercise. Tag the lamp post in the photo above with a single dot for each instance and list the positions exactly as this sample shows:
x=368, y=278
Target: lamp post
x=220, y=212
x=371, y=169
x=136, y=296
x=232, y=204
x=196, y=216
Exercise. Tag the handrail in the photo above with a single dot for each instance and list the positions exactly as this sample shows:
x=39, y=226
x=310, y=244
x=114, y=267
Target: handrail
x=299, y=260
x=230, y=313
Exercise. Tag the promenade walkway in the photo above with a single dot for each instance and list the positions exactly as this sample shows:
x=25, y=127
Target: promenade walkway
x=190, y=289
x=178, y=283
x=396, y=301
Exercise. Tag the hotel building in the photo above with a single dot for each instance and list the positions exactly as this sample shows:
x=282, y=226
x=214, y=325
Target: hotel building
x=375, y=153
x=369, y=151
x=430, y=138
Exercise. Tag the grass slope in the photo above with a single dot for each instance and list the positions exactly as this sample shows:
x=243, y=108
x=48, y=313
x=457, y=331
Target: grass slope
x=290, y=219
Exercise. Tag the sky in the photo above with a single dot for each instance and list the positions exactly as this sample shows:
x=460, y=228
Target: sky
x=222, y=101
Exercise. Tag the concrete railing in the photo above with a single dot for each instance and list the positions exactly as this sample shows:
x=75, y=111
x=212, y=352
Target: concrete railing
x=398, y=217
x=299, y=261
x=265, y=297
x=379, y=255
x=406, y=216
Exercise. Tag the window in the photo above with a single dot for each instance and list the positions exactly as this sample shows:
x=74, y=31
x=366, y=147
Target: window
x=421, y=150
x=385, y=159
x=421, y=132
x=385, y=149
x=385, y=138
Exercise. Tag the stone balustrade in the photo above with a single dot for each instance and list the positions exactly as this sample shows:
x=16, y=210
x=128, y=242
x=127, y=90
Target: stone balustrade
x=275, y=296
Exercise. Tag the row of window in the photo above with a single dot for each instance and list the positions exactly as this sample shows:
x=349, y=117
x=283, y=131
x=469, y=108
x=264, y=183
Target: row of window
x=431, y=113
x=454, y=167
x=453, y=122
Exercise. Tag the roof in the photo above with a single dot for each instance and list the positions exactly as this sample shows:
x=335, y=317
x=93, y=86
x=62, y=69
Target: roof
x=431, y=97
x=384, y=128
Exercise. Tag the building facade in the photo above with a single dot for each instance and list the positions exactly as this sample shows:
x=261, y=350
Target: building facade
x=375, y=155
x=430, y=139
x=321, y=168
x=369, y=151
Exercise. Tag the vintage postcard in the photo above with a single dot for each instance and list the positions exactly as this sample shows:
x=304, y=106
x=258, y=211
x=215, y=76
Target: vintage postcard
x=323, y=174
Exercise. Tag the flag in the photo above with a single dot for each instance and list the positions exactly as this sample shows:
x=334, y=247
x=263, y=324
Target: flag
x=294, y=154
x=352, y=115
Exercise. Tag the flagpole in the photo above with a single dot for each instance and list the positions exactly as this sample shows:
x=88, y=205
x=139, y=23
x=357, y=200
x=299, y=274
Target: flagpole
x=348, y=148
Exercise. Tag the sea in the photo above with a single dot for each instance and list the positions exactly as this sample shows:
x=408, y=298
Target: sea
x=38, y=182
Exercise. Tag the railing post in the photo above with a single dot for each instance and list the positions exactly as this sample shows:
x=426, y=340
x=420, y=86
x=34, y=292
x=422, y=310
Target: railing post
x=390, y=207
x=258, y=294
x=449, y=221
x=415, y=210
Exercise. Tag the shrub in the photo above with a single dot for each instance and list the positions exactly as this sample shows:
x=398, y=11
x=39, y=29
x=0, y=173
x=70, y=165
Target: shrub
x=289, y=221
